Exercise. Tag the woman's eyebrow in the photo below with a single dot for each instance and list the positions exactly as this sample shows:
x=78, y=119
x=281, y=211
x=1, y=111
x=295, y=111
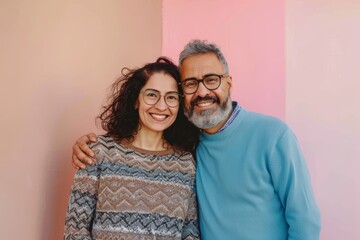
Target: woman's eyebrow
x=159, y=91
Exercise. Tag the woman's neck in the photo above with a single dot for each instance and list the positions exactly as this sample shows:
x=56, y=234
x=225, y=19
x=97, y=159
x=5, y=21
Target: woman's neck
x=150, y=141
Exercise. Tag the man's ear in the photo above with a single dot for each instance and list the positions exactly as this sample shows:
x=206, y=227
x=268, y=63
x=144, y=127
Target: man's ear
x=229, y=80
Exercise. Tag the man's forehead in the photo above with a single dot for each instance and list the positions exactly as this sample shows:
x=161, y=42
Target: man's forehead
x=200, y=65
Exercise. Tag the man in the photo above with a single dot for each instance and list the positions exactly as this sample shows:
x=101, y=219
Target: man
x=252, y=180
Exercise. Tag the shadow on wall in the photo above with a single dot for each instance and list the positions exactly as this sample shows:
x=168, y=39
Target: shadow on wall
x=59, y=175
x=58, y=185
x=71, y=119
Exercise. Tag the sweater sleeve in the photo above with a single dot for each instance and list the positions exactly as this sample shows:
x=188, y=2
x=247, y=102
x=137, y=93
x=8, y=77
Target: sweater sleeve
x=82, y=204
x=292, y=184
x=191, y=226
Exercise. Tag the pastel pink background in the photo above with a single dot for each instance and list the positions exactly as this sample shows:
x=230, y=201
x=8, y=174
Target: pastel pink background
x=57, y=59
x=322, y=98
x=252, y=37
x=297, y=60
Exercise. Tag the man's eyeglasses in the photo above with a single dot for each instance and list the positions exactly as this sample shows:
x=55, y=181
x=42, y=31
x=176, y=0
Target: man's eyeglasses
x=152, y=97
x=210, y=81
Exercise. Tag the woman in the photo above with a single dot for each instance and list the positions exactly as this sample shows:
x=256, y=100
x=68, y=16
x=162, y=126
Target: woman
x=142, y=183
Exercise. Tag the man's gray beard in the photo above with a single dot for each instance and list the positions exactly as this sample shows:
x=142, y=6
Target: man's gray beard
x=210, y=118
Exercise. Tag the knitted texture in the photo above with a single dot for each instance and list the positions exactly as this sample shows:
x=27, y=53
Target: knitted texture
x=253, y=183
x=131, y=193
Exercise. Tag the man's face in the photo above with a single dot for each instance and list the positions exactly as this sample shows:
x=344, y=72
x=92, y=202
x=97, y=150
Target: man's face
x=206, y=109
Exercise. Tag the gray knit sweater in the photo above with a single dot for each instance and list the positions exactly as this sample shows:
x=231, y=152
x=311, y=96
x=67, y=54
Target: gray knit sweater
x=132, y=193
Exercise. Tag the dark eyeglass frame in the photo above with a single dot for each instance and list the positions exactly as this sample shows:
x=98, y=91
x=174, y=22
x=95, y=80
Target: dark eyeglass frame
x=158, y=93
x=203, y=82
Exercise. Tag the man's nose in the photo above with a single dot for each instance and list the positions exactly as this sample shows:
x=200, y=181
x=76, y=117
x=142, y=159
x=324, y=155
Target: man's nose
x=202, y=91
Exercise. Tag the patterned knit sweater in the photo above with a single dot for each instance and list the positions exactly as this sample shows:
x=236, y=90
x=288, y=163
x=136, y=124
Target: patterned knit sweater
x=130, y=193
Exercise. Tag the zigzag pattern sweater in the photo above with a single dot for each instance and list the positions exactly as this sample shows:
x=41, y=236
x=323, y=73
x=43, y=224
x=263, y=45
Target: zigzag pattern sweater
x=132, y=193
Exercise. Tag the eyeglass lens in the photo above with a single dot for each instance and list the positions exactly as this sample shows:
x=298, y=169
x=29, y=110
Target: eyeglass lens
x=152, y=97
x=210, y=82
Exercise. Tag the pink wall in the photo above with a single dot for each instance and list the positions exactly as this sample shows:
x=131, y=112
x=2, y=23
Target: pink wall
x=297, y=60
x=57, y=59
x=322, y=97
x=250, y=33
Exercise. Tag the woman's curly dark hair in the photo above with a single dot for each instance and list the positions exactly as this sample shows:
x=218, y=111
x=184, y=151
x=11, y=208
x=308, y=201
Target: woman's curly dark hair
x=120, y=118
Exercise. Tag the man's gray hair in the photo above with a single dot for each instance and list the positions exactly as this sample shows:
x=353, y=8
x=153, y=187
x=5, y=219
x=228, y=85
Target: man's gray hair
x=197, y=46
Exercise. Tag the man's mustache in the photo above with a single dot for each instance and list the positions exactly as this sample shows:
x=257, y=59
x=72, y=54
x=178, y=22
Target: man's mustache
x=198, y=99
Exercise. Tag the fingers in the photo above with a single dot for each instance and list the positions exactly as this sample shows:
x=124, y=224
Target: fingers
x=83, y=142
x=92, y=137
x=76, y=163
x=82, y=154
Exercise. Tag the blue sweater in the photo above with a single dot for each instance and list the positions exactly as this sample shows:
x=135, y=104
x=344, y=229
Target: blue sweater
x=253, y=183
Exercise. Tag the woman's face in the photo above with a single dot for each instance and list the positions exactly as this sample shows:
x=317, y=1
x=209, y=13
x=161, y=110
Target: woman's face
x=156, y=115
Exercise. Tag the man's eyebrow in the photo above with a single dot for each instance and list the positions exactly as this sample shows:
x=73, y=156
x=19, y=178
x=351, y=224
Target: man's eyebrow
x=206, y=75
x=190, y=78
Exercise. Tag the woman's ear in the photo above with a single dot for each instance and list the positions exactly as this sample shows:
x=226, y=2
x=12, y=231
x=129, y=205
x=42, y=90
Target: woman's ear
x=136, y=105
